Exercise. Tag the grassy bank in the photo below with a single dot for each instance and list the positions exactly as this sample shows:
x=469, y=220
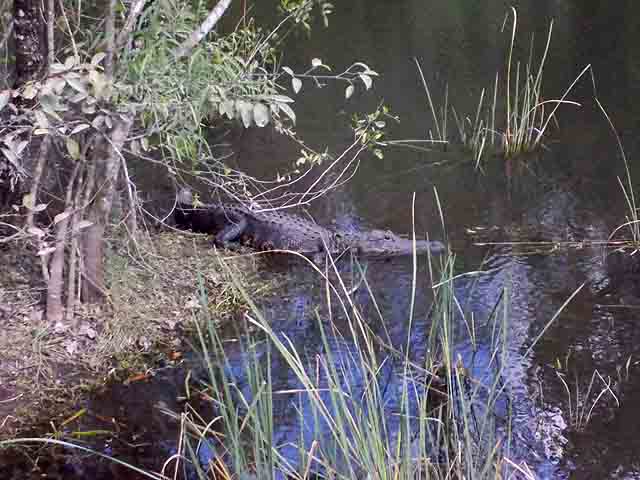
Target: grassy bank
x=46, y=370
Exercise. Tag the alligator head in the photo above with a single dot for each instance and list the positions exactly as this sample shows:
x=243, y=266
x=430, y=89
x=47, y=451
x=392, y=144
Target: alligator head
x=386, y=243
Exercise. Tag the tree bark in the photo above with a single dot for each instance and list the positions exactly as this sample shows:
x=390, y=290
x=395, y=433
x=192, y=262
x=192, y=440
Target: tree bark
x=55, y=312
x=107, y=170
x=29, y=33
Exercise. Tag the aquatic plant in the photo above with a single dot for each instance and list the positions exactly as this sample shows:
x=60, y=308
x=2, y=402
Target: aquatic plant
x=632, y=219
x=527, y=114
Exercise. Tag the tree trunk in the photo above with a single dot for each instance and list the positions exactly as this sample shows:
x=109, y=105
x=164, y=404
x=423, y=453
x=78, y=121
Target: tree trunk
x=55, y=312
x=108, y=161
x=29, y=33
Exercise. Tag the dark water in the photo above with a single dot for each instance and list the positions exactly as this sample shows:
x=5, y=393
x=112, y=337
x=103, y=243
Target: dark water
x=567, y=192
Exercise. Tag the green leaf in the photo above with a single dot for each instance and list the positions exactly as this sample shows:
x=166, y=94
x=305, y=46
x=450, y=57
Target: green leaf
x=97, y=58
x=5, y=95
x=73, y=148
x=296, y=84
x=30, y=91
x=245, y=112
x=289, y=111
x=28, y=201
x=366, y=79
x=261, y=114
x=349, y=91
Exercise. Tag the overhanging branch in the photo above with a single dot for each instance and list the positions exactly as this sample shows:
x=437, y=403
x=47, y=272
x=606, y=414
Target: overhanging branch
x=198, y=34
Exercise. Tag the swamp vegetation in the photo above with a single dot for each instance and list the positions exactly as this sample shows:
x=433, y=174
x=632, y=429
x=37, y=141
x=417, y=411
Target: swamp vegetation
x=131, y=348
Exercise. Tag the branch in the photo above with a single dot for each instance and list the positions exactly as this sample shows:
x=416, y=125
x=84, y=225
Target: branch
x=35, y=185
x=198, y=34
x=110, y=32
x=50, y=32
x=7, y=34
x=134, y=13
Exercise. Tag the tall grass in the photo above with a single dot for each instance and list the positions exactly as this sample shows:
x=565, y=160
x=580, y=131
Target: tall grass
x=440, y=424
x=632, y=218
x=527, y=114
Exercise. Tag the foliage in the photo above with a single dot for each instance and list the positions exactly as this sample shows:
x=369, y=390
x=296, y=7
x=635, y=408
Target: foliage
x=302, y=9
x=133, y=93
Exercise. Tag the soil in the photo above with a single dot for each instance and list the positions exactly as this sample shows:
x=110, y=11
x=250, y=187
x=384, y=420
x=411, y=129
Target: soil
x=153, y=299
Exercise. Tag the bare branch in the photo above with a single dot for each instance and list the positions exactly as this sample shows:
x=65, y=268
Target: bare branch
x=134, y=13
x=7, y=34
x=71, y=36
x=198, y=34
x=110, y=33
x=132, y=218
x=50, y=35
x=37, y=175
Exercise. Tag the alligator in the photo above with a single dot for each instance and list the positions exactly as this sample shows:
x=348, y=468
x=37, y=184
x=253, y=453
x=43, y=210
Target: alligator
x=235, y=224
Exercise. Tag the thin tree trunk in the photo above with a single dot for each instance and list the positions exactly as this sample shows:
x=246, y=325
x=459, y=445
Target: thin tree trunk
x=108, y=167
x=50, y=32
x=110, y=32
x=73, y=254
x=43, y=155
x=55, y=311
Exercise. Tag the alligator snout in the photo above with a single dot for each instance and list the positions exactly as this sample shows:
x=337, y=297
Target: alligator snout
x=380, y=242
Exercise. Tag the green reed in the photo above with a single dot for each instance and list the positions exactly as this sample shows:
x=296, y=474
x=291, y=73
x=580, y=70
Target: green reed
x=527, y=114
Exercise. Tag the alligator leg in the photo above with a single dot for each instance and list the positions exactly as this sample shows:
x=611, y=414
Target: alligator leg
x=233, y=230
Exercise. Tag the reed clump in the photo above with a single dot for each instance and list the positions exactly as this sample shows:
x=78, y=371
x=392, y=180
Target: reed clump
x=506, y=123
